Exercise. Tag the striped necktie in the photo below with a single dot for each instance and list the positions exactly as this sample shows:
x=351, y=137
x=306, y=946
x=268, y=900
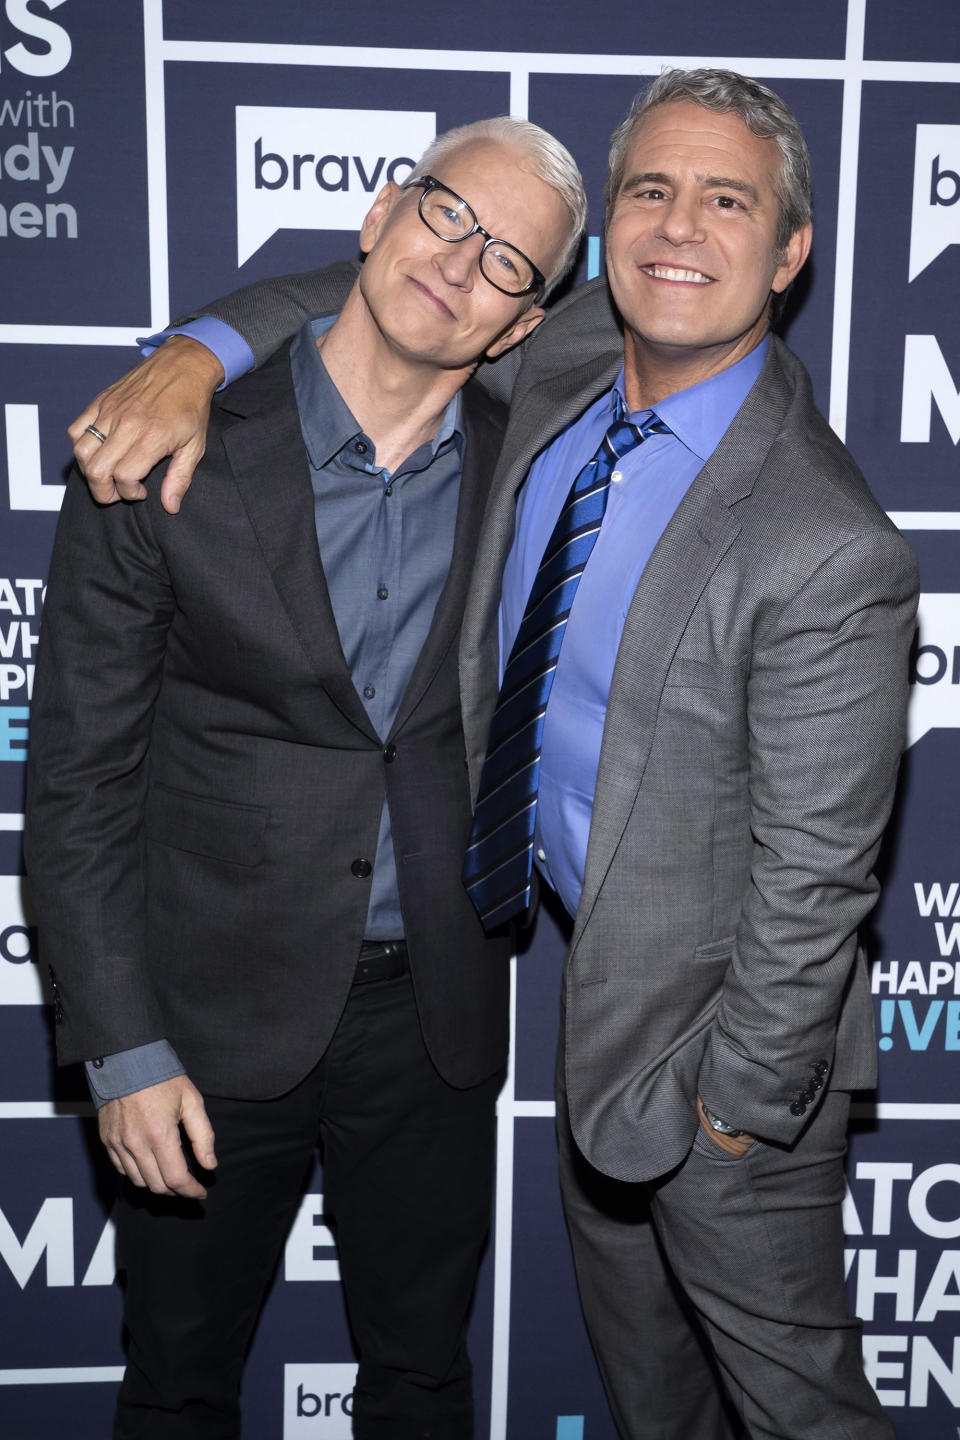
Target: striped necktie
x=499, y=861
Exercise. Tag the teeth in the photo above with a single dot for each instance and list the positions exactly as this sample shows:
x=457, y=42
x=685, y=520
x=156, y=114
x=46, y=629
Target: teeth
x=691, y=277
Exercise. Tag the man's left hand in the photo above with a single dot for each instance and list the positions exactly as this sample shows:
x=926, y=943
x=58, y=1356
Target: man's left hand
x=732, y=1144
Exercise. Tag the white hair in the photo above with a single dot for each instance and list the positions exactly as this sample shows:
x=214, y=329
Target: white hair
x=549, y=161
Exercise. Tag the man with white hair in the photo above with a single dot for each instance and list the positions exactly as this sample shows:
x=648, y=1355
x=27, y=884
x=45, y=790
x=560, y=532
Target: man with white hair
x=248, y=803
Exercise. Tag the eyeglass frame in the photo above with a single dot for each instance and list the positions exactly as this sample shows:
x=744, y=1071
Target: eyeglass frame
x=431, y=183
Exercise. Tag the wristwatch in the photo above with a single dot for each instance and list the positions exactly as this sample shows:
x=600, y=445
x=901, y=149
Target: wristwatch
x=717, y=1124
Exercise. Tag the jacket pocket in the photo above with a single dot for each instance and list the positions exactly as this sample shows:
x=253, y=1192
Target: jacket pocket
x=715, y=949
x=218, y=829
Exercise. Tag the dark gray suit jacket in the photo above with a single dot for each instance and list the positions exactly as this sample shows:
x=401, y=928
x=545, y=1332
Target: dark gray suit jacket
x=753, y=733
x=203, y=776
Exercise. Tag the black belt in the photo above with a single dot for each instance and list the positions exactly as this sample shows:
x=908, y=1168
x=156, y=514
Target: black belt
x=381, y=960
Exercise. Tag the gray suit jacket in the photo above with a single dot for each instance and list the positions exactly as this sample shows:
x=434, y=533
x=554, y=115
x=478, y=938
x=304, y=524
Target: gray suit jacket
x=752, y=738
x=753, y=732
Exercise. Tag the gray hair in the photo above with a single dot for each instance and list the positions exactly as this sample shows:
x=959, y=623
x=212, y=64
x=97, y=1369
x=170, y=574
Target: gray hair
x=761, y=110
x=550, y=161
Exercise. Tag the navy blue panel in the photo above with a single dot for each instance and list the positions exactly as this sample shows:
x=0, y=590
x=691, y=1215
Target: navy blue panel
x=101, y=276
x=604, y=27
x=924, y=30
x=936, y=552
x=57, y=380
x=887, y=306
x=30, y=1073
x=896, y=1216
x=55, y=1318
x=201, y=150
x=917, y=1002
x=552, y=1372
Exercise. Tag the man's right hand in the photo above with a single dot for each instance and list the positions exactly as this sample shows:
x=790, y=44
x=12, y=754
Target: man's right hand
x=160, y=407
x=141, y=1133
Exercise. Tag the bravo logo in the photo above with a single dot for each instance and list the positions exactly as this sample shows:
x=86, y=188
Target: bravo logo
x=936, y=195
x=318, y=1402
x=20, y=982
x=301, y=169
x=935, y=668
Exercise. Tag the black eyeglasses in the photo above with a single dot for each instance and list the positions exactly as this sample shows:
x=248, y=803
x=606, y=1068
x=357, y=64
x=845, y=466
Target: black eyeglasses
x=450, y=218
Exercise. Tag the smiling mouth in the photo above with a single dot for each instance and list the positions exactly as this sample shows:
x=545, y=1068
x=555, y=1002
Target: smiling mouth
x=683, y=277
x=425, y=290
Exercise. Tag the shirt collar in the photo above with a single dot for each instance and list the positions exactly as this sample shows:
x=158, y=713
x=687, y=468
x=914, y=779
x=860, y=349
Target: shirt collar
x=325, y=418
x=700, y=415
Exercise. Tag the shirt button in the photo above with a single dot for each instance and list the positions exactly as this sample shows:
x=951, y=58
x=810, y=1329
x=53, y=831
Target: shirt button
x=382, y=592
x=360, y=448
x=541, y=854
x=361, y=868
x=369, y=692
x=617, y=475
x=390, y=753
x=98, y=1063
x=388, y=490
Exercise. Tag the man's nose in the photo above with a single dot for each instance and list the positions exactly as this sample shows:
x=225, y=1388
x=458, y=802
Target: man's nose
x=680, y=221
x=459, y=263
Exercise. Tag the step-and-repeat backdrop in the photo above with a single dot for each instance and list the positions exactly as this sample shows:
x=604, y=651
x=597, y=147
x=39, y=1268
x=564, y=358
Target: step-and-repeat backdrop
x=156, y=154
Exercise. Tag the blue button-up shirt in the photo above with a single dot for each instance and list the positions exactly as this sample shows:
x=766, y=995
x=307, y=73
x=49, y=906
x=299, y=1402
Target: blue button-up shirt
x=385, y=541
x=654, y=478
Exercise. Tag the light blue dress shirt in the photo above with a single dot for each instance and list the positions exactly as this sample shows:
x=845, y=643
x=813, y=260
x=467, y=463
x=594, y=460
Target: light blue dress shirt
x=227, y=344
x=654, y=478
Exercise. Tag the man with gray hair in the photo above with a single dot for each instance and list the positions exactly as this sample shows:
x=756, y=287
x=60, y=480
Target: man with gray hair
x=698, y=621
x=701, y=763
x=248, y=804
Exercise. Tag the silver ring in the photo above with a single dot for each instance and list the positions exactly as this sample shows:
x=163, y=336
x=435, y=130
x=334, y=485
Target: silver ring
x=97, y=434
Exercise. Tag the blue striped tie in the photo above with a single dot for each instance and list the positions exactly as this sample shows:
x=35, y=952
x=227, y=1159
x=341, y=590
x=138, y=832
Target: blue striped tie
x=499, y=861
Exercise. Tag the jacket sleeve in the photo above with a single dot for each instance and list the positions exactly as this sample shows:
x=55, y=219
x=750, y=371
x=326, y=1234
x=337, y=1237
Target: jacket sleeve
x=103, y=638
x=827, y=698
x=271, y=311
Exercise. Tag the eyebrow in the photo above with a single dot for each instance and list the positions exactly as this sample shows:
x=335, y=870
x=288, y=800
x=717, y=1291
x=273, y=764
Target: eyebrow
x=709, y=182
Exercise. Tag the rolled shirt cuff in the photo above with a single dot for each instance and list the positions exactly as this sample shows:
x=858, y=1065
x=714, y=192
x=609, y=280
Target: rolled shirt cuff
x=111, y=1076
x=230, y=348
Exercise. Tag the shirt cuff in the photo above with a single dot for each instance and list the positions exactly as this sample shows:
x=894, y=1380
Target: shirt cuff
x=227, y=344
x=130, y=1070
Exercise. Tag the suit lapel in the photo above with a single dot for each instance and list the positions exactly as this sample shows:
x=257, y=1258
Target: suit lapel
x=690, y=549
x=544, y=410
x=699, y=534
x=266, y=452
x=482, y=439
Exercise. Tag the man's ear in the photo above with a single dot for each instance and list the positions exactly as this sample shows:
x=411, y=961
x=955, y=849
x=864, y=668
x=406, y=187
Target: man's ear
x=376, y=216
x=795, y=255
x=523, y=326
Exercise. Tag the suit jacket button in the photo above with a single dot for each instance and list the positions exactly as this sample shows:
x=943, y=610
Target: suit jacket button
x=820, y=1067
x=798, y=1108
x=58, y=1013
x=361, y=868
x=390, y=753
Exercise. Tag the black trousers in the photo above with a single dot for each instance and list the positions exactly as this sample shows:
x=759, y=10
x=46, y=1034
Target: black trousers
x=408, y=1172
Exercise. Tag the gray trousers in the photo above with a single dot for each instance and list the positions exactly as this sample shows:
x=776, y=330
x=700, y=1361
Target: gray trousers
x=729, y=1267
